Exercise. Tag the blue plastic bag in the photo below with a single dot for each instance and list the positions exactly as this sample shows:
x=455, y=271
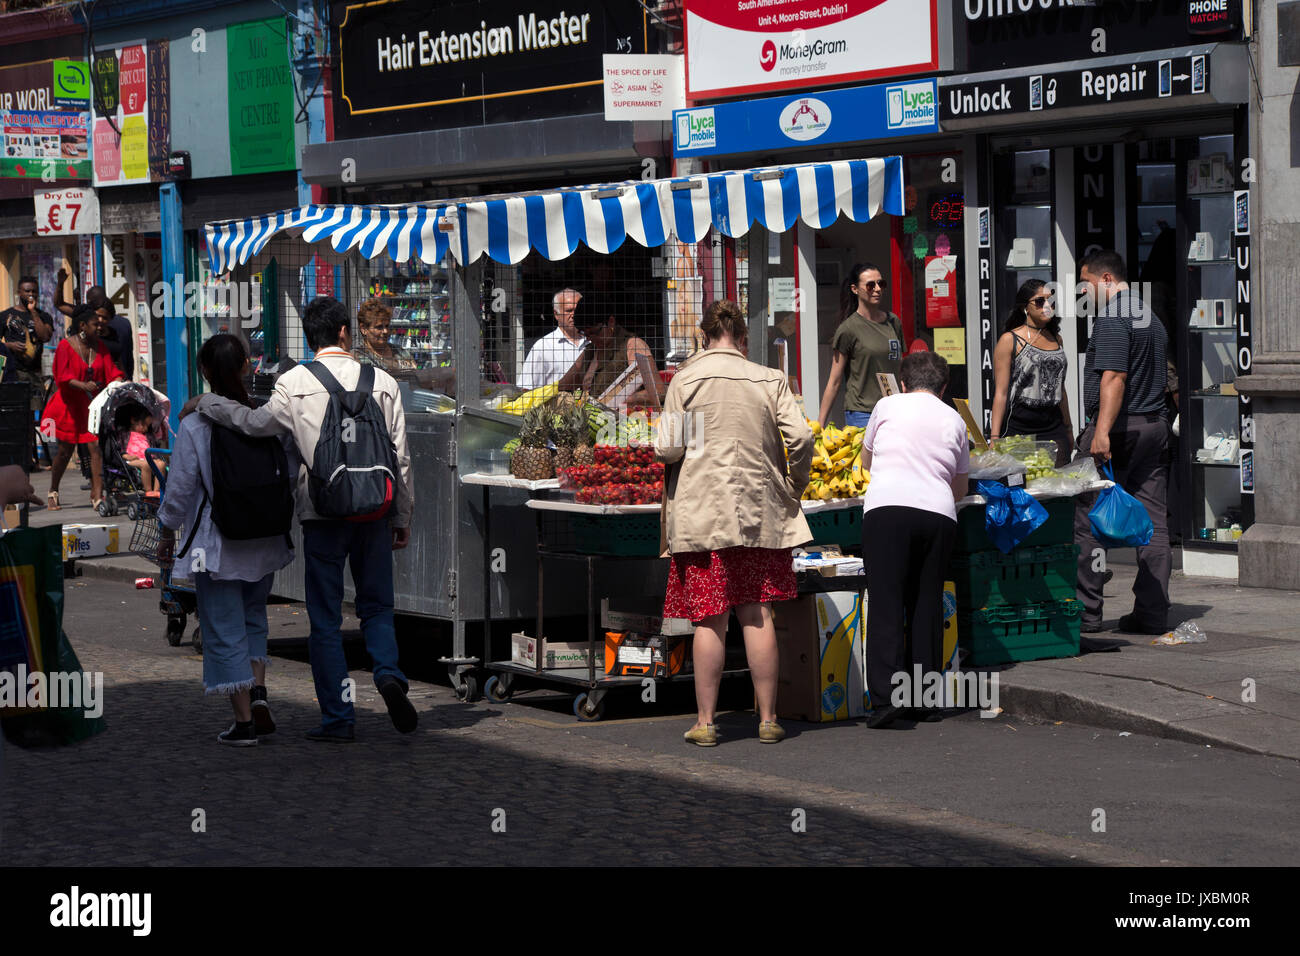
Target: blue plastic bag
x=1010, y=515
x=1118, y=519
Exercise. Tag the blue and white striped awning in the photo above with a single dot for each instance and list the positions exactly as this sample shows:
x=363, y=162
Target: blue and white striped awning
x=554, y=222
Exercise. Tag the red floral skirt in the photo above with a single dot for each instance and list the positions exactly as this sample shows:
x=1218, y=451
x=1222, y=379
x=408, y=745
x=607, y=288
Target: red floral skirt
x=704, y=583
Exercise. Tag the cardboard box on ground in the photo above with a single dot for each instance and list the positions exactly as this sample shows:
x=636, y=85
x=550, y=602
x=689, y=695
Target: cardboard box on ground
x=89, y=540
x=822, y=640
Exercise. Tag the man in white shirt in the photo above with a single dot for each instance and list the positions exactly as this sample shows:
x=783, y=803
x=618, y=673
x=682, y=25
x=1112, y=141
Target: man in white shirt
x=554, y=353
x=298, y=406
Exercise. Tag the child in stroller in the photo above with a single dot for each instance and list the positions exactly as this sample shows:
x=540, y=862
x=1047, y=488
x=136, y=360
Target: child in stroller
x=131, y=421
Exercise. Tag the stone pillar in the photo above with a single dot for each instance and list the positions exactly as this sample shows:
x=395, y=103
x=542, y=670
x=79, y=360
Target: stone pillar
x=1270, y=549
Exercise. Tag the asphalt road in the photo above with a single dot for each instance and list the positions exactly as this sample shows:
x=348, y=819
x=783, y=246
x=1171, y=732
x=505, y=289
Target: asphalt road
x=625, y=790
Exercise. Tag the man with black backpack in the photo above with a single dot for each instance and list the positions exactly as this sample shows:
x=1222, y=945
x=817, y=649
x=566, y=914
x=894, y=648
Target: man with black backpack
x=354, y=503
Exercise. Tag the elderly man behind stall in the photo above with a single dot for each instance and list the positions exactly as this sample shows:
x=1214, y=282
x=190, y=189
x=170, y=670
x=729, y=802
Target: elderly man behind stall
x=554, y=353
x=1124, y=381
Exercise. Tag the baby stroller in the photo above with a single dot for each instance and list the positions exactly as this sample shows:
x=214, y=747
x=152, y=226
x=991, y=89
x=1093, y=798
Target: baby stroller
x=110, y=418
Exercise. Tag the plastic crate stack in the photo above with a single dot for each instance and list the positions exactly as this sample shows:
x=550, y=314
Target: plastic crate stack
x=1020, y=606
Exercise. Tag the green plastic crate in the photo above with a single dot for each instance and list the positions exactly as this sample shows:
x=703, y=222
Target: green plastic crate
x=1029, y=632
x=842, y=526
x=972, y=536
x=1027, y=575
x=628, y=536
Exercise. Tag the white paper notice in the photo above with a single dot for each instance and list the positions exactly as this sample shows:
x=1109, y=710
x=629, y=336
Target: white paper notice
x=642, y=86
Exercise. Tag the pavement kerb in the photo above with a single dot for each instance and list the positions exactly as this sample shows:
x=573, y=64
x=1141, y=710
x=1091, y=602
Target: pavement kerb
x=1080, y=708
x=1085, y=703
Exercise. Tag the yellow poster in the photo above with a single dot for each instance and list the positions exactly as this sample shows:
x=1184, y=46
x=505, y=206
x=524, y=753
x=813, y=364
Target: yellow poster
x=951, y=344
x=135, y=148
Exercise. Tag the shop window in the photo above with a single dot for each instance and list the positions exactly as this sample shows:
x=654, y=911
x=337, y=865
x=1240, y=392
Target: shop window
x=1024, y=217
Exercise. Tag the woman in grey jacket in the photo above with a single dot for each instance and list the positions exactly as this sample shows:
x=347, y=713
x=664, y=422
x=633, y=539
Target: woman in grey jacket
x=739, y=453
x=232, y=578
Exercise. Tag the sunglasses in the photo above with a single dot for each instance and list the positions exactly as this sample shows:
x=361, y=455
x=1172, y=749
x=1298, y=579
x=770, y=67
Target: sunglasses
x=875, y=284
x=1041, y=301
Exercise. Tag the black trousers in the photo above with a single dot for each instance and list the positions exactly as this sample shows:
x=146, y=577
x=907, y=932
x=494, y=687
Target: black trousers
x=1139, y=446
x=906, y=552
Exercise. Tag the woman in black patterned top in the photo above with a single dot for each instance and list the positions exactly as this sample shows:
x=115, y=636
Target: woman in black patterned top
x=1029, y=367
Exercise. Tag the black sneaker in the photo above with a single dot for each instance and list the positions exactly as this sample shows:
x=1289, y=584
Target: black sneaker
x=400, y=708
x=261, y=711
x=923, y=715
x=884, y=716
x=239, y=735
x=1091, y=627
x=1131, y=625
x=321, y=735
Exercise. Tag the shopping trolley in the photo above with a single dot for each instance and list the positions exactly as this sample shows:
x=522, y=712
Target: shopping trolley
x=178, y=599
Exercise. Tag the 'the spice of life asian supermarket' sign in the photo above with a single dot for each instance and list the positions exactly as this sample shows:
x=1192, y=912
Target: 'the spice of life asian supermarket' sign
x=831, y=116
x=408, y=66
x=752, y=46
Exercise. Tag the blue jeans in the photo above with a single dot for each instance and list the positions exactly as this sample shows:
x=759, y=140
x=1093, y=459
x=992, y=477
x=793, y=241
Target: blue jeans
x=856, y=419
x=233, y=617
x=368, y=548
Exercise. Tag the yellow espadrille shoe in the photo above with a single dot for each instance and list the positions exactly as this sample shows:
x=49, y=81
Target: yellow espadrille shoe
x=770, y=732
x=706, y=736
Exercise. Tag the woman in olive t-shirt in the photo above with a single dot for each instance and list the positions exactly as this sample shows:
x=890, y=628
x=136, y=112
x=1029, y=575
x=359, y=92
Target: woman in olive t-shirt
x=868, y=341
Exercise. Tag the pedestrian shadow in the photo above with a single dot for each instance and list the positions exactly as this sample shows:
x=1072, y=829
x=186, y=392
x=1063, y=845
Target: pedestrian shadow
x=165, y=793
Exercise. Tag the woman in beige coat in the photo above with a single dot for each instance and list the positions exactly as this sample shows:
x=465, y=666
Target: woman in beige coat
x=731, y=510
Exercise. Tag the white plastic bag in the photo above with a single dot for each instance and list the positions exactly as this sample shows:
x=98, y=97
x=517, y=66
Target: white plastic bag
x=994, y=465
x=1189, y=632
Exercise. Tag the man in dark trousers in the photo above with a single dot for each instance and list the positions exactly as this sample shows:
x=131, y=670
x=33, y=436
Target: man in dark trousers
x=24, y=330
x=1127, y=425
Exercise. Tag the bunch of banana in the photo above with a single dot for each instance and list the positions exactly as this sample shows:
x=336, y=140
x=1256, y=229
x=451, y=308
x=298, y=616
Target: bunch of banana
x=537, y=396
x=836, y=466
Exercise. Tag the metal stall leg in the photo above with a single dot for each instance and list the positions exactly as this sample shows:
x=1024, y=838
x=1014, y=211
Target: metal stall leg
x=590, y=705
x=497, y=687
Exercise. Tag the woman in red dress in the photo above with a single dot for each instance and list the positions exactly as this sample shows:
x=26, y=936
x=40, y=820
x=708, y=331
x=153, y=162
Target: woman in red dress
x=82, y=369
x=739, y=452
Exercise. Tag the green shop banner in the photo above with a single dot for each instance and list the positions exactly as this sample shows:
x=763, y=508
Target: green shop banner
x=260, y=97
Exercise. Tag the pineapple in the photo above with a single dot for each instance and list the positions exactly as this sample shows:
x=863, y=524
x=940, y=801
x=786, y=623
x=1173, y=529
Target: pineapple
x=533, y=461
x=571, y=439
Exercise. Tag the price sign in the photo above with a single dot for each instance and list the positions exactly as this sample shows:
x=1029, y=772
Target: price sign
x=66, y=212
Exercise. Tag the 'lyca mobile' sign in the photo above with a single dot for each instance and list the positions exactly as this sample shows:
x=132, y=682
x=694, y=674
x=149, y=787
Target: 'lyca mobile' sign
x=831, y=116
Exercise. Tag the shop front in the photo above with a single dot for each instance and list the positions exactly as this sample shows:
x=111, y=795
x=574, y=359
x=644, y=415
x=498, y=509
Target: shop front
x=1138, y=145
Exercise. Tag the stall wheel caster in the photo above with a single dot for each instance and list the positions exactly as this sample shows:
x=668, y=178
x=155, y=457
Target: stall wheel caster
x=586, y=711
x=498, y=690
x=467, y=689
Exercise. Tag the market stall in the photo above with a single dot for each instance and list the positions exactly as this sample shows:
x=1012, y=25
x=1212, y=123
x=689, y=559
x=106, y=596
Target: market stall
x=469, y=284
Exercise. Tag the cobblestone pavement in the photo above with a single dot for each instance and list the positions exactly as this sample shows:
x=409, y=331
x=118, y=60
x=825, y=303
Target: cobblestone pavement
x=128, y=796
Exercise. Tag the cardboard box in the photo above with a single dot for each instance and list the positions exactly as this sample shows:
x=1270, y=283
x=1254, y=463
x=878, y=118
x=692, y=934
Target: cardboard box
x=556, y=654
x=643, y=622
x=89, y=540
x=823, y=673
